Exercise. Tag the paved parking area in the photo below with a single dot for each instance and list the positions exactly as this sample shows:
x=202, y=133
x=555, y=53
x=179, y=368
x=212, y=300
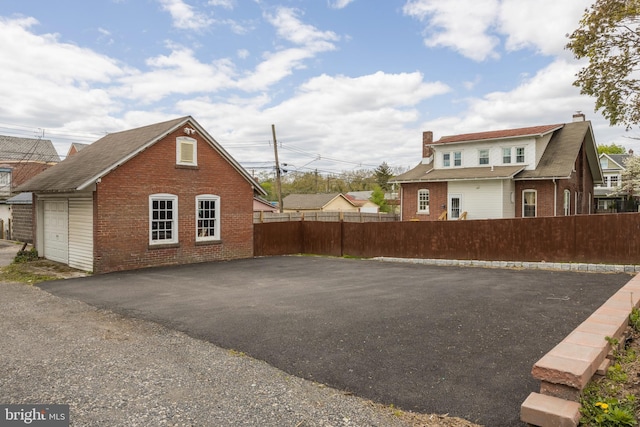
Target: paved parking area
x=424, y=338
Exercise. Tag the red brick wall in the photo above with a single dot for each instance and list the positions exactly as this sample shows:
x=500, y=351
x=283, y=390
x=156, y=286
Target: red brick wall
x=437, y=198
x=121, y=209
x=24, y=171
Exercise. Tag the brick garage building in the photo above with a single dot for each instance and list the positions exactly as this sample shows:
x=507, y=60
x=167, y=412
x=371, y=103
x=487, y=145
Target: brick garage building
x=162, y=194
x=545, y=170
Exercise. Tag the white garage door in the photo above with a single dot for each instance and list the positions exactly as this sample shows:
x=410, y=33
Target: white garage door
x=81, y=234
x=56, y=223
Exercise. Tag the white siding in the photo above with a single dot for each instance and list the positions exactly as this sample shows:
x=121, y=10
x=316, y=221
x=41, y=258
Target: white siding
x=56, y=222
x=81, y=234
x=482, y=199
x=508, y=198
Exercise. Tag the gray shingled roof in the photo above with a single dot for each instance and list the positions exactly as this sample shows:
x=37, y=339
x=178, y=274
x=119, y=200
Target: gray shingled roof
x=81, y=170
x=27, y=149
x=309, y=201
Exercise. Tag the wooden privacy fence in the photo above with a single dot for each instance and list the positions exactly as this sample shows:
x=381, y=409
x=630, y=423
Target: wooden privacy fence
x=610, y=239
x=323, y=216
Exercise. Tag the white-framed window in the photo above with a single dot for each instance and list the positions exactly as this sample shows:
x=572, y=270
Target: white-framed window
x=506, y=155
x=483, y=157
x=519, y=154
x=446, y=160
x=567, y=202
x=423, y=201
x=529, y=203
x=5, y=182
x=207, y=217
x=163, y=219
x=613, y=181
x=457, y=158
x=186, y=151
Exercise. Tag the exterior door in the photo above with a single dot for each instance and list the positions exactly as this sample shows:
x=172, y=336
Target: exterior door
x=56, y=226
x=455, y=206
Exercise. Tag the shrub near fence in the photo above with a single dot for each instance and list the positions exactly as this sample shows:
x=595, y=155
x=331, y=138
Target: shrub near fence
x=612, y=239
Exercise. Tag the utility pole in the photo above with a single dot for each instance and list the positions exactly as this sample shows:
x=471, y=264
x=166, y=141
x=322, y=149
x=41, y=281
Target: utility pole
x=278, y=181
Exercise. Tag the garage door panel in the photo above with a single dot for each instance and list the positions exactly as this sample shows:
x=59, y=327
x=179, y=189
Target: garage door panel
x=56, y=225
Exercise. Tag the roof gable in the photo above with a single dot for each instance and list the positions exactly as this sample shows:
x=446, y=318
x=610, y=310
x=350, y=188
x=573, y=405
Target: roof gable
x=311, y=201
x=83, y=169
x=27, y=149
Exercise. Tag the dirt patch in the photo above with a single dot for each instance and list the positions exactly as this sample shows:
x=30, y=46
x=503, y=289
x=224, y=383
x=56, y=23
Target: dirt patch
x=37, y=271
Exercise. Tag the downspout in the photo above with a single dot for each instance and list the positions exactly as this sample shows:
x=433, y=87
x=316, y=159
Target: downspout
x=555, y=197
x=401, y=200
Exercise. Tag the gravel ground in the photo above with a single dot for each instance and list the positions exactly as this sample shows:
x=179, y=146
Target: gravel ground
x=117, y=371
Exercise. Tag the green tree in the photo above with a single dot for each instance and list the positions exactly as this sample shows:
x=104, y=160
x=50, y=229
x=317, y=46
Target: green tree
x=612, y=149
x=377, y=197
x=609, y=37
x=383, y=173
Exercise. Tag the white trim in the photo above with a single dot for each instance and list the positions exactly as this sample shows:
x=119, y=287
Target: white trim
x=535, y=192
x=460, y=206
x=174, y=219
x=216, y=229
x=183, y=142
x=428, y=193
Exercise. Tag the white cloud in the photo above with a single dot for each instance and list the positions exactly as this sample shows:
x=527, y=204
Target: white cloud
x=463, y=25
x=57, y=80
x=227, y=4
x=476, y=28
x=339, y=4
x=183, y=15
x=180, y=72
x=292, y=29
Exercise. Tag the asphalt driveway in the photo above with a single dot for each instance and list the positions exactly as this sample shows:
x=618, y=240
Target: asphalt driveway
x=424, y=338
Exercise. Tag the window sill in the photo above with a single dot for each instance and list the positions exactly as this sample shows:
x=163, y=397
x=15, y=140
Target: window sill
x=208, y=242
x=193, y=167
x=163, y=246
x=422, y=213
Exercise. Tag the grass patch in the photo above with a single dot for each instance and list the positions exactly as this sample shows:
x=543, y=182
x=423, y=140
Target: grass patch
x=19, y=273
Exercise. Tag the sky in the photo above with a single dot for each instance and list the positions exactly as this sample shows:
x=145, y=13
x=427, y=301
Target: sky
x=348, y=84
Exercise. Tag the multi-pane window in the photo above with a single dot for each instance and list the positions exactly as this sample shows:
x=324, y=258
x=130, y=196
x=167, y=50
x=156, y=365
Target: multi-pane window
x=446, y=160
x=483, y=157
x=529, y=203
x=423, y=201
x=506, y=155
x=613, y=181
x=163, y=214
x=208, y=217
x=457, y=158
x=519, y=154
x=5, y=182
x=186, y=151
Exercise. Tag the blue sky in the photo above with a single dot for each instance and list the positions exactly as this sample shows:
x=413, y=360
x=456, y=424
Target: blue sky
x=347, y=83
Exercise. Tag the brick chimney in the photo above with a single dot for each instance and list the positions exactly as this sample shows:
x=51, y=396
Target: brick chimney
x=427, y=140
x=579, y=117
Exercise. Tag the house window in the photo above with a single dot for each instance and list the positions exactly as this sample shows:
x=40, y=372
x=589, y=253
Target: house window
x=567, y=202
x=604, y=163
x=208, y=217
x=163, y=217
x=506, y=155
x=457, y=158
x=423, y=201
x=520, y=155
x=613, y=181
x=483, y=157
x=446, y=160
x=529, y=203
x=5, y=182
x=186, y=151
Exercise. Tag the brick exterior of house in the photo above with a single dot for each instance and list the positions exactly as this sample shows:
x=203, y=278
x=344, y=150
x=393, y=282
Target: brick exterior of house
x=437, y=199
x=22, y=222
x=121, y=209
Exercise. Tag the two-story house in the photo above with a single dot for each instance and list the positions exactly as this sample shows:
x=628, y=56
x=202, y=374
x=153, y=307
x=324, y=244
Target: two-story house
x=536, y=171
x=612, y=166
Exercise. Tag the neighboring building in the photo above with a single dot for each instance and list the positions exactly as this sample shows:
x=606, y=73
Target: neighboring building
x=332, y=202
x=161, y=194
x=75, y=147
x=20, y=160
x=528, y=172
x=362, y=199
x=612, y=166
x=21, y=217
x=262, y=205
